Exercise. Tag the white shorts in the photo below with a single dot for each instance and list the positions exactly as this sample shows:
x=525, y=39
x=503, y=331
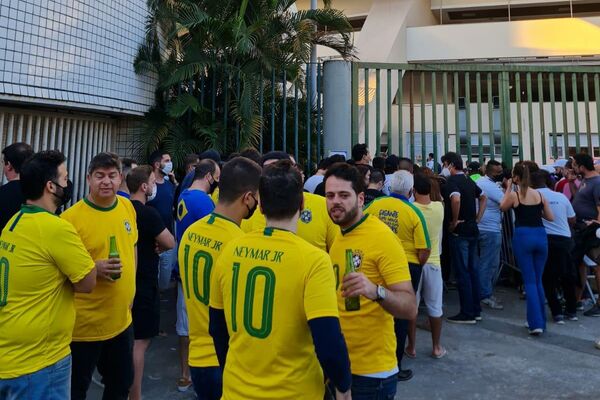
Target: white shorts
x=431, y=288
x=181, y=326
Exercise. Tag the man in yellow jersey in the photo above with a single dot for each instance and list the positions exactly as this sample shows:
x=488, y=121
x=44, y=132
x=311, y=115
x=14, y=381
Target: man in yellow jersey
x=314, y=224
x=103, y=335
x=273, y=306
x=199, y=248
x=373, y=285
x=408, y=223
x=42, y=262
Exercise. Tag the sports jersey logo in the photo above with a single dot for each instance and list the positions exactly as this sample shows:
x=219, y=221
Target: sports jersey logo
x=181, y=210
x=357, y=259
x=306, y=216
x=127, y=226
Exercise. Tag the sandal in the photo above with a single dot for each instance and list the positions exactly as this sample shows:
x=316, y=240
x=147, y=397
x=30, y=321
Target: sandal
x=409, y=355
x=441, y=355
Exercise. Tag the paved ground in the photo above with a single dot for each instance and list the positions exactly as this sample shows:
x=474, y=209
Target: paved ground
x=495, y=359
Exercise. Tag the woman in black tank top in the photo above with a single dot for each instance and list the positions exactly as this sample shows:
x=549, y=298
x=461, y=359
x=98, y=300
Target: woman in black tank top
x=530, y=243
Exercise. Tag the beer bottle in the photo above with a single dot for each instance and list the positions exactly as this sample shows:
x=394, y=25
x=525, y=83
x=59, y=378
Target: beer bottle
x=352, y=303
x=113, y=253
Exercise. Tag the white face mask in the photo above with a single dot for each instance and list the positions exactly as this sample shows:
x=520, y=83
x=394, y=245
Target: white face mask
x=445, y=172
x=168, y=167
x=153, y=195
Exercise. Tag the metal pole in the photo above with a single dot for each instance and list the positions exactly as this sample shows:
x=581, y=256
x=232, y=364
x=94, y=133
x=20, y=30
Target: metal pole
x=313, y=65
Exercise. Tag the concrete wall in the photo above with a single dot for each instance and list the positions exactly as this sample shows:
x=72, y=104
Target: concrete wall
x=74, y=53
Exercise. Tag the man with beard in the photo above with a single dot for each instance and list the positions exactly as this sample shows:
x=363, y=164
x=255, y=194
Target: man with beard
x=42, y=262
x=199, y=249
x=373, y=285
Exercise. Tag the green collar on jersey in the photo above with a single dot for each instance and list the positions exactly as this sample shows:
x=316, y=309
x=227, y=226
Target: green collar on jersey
x=351, y=228
x=270, y=229
x=31, y=209
x=97, y=207
x=214, y=215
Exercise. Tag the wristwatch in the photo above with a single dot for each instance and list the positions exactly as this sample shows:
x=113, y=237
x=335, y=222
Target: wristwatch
x=381, y=293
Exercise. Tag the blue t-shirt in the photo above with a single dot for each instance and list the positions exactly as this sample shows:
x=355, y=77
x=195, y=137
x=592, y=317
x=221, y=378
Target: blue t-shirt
x=191, y=206
x=492, y=216
x=561, y=209
x=163, y=202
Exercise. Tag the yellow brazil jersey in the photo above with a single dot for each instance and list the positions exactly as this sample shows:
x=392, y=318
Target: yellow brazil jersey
x=405, y=220
x=369, y=331
x=215, y=195
x=40, y=255
x=269, y=284
x=434, y=215
x=199, y=249
x=314, y=224
x=106, y=312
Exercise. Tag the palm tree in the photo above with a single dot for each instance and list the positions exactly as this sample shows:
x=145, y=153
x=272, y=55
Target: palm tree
x=213, y=59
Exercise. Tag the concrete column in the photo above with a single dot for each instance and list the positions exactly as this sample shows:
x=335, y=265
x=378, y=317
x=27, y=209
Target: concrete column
x=337, y=100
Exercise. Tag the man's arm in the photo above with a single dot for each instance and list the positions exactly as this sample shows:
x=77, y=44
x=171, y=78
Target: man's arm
x=455, y=206
x=165, y=240
x=87, y=284
x=423, y=255
x=217, y=327
x=400, y=300
x=482, y=205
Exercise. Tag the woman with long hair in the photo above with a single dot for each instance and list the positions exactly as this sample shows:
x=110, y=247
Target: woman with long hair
x=530, y=243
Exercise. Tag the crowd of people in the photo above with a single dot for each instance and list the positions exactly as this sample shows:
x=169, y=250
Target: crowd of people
x=277, y=276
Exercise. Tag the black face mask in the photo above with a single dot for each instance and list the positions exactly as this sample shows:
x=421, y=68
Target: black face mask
x=498, y=178
x=67, y=193
x=253, y=209
x=213, y=186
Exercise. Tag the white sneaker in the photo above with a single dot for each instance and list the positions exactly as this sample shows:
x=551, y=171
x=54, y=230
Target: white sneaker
x=492, y=303
x=536, y=331
x=597, y=344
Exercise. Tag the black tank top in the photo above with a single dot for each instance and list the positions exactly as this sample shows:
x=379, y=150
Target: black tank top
x=529, y=215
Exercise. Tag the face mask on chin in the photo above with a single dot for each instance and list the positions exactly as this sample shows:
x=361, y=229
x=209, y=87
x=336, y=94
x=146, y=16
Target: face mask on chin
x=152, y=195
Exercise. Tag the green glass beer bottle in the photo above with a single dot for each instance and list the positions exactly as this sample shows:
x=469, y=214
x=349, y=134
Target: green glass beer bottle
x=352, y=303
x=113, y=253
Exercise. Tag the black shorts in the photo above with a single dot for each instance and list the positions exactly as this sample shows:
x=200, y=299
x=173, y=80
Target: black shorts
x=146, y=312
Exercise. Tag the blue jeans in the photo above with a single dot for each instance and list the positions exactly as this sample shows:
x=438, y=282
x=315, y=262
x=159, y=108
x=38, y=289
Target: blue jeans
x=463, y=251
x=166, y=264
x=364, y=388
x=530, y=246
x=208, y=382
x=490, y=244
x=50, y=383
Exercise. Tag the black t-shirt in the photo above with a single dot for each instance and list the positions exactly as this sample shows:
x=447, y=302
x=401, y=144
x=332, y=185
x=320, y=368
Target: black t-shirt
x=372, y=194
x=469, y=193
x=11, y=199
x=150, y=225
x=320, y=189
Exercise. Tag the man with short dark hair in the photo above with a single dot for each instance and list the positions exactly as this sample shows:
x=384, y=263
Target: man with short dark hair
x=11, y=197
x=391, y=165
x=103, y=333
x=490, y=233
x=127, y=164
x=361, y=154
x=42, y=262
x=153, y=234
x=374, y=189
x=373, y=284
x=587, y=209
x=460, y=195
x=293, y=281
x=311, y=183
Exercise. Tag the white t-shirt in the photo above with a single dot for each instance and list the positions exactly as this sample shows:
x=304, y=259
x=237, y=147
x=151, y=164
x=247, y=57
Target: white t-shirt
x=561, y=209
x=312, y=183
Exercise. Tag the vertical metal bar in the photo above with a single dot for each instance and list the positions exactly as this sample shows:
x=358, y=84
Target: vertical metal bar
x=10, y=129
x=575, y=111
x=367, y=106
x=377, y=111
x=319, y=111
x=213, y=106
x=519, y=116
x=308, y=118
x=468, y=116
x=411, y=124
x=445, y=108
x=37, y=133
x=59, y=133
x=542, y=116
x=563, y=97
x=20, y=128
x=296, y=120
x=434, y=119
x=284, y=111
x=530, y=118
x=202, y=89
x=237, y=124
x=553, y=116
x=389, y=110
x=354, y=117
x=597, y=101
x=423, y=130
x=44, y=134
x=507, y=136
x=456, y=113
x=273, y=106
x=261, y=106
x=28, y=128
x=588, y=127
x=225, y=109
x=399, y=101
x=479, y=118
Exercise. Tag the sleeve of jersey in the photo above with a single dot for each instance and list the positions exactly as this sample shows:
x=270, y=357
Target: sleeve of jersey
x=319, y=289
x=420, y=233
x=69, y=253
x=155, y=222
x=216, y=293
x=392, y=262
